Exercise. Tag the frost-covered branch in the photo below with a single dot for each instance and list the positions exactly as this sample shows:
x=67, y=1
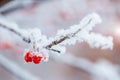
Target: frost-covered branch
x=16, y=69
x=88, y=22
x=15, y=30
x=81, y=32
x=41, y=45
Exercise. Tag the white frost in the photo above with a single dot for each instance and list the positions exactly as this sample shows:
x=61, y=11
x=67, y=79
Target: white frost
x=84, y=34
x=80, y=32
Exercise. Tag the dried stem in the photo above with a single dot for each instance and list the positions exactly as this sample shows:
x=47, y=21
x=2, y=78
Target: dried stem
x=57, y=41
x=16, y=32
x=20, y=35
x=68, y=36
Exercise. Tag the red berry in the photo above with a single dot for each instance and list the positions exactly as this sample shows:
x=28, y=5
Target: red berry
x=37, y=59
x=28, y=57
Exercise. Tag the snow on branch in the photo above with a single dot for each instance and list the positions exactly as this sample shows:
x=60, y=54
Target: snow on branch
x=81, y=32
x=40, y=45
x=97, y=40
x=11, y=26
x=64, y=36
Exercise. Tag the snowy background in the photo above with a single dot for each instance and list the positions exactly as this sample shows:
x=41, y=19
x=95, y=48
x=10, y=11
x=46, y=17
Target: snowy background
x=80, y=62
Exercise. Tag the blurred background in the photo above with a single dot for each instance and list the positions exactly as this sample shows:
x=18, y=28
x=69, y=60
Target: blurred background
x=80, y=62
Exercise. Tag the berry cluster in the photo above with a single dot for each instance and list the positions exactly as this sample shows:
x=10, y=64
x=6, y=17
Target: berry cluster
x=32, y=57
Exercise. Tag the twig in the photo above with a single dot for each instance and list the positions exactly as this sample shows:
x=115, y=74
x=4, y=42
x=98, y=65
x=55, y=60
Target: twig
x=68, y=36
x=16, y=32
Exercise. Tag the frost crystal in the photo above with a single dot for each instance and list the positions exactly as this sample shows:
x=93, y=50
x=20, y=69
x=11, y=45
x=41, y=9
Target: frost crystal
x=82, y=32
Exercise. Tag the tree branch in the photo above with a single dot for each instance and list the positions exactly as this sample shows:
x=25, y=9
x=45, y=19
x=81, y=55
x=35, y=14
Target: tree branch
x=80, y=32
x=68, y=36
x=16, y=32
